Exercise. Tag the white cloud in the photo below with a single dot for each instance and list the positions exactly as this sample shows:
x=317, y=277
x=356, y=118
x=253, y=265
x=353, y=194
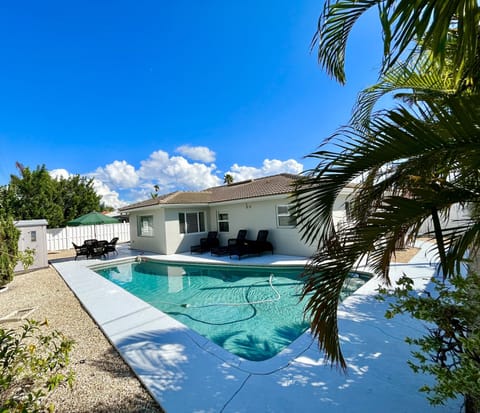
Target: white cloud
x=269, y=167
x=59, y=173
x=118, y=174
x=109, y=196
x=171, y=173
x=197, y=153
x=119, y=180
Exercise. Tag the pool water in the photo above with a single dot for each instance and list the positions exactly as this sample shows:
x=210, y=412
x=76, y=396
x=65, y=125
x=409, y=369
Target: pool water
x=253, y=312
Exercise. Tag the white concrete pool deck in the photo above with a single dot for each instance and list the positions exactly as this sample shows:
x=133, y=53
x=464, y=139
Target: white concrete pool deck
x=185, y=372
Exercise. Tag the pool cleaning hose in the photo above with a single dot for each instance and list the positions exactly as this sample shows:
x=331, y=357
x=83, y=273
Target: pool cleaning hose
x=269, y=300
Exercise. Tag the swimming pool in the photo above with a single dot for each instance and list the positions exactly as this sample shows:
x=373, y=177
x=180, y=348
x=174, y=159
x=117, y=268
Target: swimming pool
x=253, y=312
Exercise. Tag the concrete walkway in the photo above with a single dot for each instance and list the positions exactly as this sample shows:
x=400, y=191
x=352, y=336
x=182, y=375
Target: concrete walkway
x=185, y=372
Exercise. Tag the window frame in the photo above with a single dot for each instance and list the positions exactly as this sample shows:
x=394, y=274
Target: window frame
x=183, y=226
x=141, y=227
x=221, y=221
x=279, y=215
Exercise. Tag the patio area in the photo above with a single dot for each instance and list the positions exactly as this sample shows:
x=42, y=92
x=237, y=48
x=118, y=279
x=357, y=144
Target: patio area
x=185, y=372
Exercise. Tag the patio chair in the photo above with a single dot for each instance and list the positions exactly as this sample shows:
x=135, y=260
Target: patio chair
x=206, y=244
x=112, y=246
x=80, y=250
x=97, y=249
x=241, y=237
x=225, y=249
x=252, y=247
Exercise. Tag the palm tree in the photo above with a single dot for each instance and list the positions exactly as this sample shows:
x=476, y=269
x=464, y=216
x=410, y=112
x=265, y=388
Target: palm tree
x=415, y=162
x=409, y=28
x=427, y=156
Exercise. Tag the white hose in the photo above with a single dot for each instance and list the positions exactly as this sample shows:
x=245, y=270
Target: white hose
x=270, y=300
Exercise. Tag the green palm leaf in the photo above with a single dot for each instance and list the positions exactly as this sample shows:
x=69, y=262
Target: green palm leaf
x=414, y=169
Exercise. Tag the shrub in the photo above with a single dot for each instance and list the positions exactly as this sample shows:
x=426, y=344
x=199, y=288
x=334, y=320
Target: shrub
x=9, y=236
x=450, y=351
x=33, y=364
x=9, y=253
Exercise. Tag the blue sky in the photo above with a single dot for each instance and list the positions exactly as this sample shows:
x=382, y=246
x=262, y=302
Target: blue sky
x=138, y=93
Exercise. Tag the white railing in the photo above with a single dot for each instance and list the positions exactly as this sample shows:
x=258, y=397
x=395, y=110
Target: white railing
x=61, y=238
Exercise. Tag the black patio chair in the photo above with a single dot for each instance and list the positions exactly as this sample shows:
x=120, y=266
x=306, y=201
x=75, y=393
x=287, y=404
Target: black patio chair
x=112, y=246
x=241, y=237
x=80, y=250
x=252, y=247
x=206, y=244
x=225, y=249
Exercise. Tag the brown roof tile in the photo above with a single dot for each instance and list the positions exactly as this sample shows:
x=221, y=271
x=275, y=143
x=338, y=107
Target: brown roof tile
x=252, y=188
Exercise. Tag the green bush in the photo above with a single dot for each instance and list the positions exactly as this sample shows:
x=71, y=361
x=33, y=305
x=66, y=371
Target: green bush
x=33, y=364
x=9, y=253
x=450, y=351
x=9, y=256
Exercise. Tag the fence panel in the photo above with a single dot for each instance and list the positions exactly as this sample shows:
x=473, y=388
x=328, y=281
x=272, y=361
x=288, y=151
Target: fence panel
x=61, y=238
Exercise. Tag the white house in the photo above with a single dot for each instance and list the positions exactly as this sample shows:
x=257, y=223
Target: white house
x=172, y=223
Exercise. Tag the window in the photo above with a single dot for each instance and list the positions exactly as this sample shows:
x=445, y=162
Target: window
x=33, y=236
x=223, y=225
x=191, y=222
x=145, y=226
x=284, y=217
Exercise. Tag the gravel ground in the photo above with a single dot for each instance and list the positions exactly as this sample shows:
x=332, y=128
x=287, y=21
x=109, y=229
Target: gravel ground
x=103, y=382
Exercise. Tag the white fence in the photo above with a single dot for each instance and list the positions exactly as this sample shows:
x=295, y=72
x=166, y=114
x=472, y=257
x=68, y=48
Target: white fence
x=62, y=238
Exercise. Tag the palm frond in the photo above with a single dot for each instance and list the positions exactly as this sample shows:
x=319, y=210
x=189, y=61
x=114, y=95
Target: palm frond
x=415, y=164
x=334, y=27
x=409, y=28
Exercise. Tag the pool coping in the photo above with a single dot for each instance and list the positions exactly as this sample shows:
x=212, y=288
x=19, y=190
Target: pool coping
x=173, y=361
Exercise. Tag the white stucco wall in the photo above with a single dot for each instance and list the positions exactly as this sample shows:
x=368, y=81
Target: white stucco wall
x=155, y=243
x=177, y=242
x=255, y=215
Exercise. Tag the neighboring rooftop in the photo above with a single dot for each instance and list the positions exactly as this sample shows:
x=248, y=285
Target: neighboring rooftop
x=252, y=188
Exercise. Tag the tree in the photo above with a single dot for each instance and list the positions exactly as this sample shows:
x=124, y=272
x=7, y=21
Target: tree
x=425, y=159
x=228, y=179
x=154, y=195
x=408, y=29
x=77, y=197
x=35, y=195
x=414, y=162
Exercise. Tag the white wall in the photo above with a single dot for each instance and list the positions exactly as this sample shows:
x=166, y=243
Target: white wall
x=33, y=235
x=253, y=215
x=155, y=243
x=257, y=215
x=177, y=242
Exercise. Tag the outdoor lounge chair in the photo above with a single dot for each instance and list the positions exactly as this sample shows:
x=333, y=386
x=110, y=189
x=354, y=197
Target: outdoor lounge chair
x=250, y=247
x=232, y=242
x=112, y=246
x=80, y=250
x=241, y=237
x=206, y=244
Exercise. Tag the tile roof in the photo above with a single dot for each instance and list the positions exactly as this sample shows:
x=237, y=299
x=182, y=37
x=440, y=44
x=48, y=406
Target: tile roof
x=252, y=188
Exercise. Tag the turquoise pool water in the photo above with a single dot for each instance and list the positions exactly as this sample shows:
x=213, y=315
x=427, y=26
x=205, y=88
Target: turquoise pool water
x=252, y=312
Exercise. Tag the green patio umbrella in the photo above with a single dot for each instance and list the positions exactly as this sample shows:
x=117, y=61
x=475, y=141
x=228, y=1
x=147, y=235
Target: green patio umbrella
x=92, y=218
